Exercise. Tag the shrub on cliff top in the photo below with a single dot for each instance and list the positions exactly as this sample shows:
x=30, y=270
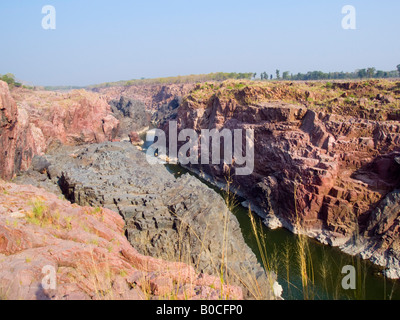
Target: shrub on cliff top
x=10, y=79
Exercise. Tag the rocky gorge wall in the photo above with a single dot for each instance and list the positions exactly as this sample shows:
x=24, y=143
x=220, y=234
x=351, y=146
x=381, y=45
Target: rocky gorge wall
x=33, y=121
x=330, y=172
x=327, y=164
x=133, y=117
x=154, y=96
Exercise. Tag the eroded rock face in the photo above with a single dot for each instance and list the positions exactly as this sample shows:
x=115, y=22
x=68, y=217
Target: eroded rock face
x=166, y=112
x=87, y=252
x=8, y=135
x=20, y=140
x=316, y=173
x=34, y=120
x=380, y=242
x=173, y=219
x=76, y=117
x=132, y=115
x=153, y=96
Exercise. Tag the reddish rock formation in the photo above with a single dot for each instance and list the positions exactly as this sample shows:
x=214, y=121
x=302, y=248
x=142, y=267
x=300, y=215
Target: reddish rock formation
x=87, y=250
x=315, y=172
x=77, y=117
x=43, y=118
x=135, y=139
x=8, y=134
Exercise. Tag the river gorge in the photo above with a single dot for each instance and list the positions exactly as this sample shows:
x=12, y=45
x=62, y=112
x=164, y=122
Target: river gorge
x=282, y=250
x=324, y=190
x=327, y=261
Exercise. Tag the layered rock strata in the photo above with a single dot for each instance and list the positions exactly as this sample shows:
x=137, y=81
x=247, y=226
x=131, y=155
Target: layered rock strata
x=333, y=177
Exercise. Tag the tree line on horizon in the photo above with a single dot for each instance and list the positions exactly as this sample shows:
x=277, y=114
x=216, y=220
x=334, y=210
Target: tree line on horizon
x=217, y=76
x=369, y=73
x=222, y=76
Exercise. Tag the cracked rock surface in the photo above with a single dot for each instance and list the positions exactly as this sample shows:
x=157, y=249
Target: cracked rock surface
x=172, y=219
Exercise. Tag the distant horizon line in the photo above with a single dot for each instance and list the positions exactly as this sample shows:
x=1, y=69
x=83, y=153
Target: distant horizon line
x=199, y=75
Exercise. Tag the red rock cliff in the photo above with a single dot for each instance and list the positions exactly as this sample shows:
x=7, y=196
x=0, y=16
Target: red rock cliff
x=322, y=171
x=32, y=120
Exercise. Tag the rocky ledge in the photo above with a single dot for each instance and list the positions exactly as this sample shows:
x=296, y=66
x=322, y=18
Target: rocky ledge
x=85, y=249
x=179, y=220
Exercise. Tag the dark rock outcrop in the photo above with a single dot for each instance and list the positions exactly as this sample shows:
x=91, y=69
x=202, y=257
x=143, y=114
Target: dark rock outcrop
x=166, y=112
x=173, y=219
x=153, y=95
x=131, y=114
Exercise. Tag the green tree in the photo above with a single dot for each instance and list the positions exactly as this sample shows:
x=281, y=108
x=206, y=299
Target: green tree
x=362, y=73
x=286, y=75
x=380, y=74
x=264, y=76
x=278, y=74
x=371, y=72
x=398, y=69
x=10, y=79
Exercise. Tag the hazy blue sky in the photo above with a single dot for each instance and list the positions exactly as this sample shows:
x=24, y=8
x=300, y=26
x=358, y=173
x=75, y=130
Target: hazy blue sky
x=100, y=41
